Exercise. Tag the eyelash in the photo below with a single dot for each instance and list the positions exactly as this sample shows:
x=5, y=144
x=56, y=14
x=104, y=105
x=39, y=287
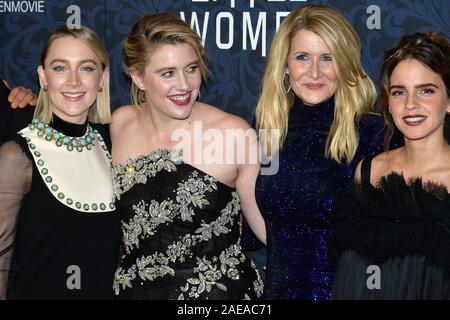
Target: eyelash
x=191, y=69
x=83, y=68
x=58, y=68
x=429, y=91
x=396, y=93
x=88, y=69
x=304, y=57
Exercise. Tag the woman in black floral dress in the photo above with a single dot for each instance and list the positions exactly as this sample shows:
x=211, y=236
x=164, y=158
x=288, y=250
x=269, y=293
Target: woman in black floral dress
x=181, y=214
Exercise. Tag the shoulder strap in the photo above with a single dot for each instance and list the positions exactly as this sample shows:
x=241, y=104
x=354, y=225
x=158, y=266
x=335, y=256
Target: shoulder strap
x=365, y=170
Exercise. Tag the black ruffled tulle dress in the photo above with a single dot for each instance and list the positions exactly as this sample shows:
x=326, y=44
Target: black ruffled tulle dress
x=402, y=228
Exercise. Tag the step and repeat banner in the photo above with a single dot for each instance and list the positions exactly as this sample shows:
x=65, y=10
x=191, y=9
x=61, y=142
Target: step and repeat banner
x=236, y=33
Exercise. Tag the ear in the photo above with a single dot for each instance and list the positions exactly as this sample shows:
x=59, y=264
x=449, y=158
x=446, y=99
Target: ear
x=448, y=106
x=138, y=79
x=42, y=78
x=104, y=75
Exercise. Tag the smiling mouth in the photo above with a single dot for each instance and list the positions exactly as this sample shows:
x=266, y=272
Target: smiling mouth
x=414, y=120
x=71, y=95
x=314, y=86
x=181, y=100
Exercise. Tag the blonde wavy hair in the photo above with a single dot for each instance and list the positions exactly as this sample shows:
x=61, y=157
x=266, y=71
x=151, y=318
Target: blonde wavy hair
x=355, y=94
x=100, y=112
x=147, y=35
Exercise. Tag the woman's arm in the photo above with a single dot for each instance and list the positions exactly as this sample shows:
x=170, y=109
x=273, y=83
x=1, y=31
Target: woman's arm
x=15, y=180
x=11, y=121
x=19, y=97
x=245, y=185
x=246, y=181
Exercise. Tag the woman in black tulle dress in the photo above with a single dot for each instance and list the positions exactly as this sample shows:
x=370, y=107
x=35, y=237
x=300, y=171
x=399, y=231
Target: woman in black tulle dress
x=392, y=239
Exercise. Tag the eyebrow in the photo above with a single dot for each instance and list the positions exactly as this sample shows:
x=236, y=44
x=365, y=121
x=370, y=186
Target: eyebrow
x=67, y=61
x=305, y=52
x=422, y=85
x=173, y=68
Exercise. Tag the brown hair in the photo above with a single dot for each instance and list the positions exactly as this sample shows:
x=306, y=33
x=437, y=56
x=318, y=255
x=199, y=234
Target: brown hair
x=432, y=49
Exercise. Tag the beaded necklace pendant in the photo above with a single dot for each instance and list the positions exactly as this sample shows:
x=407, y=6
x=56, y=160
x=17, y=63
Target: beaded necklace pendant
x=71, y=143
x=67, y=174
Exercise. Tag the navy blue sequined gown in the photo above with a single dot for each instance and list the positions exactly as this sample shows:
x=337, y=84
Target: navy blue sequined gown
x=296, y=202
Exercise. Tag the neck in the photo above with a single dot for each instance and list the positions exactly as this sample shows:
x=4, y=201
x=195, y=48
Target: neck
x=325, y=103
x=426, y=153
x=68, y=128
x=161, y=126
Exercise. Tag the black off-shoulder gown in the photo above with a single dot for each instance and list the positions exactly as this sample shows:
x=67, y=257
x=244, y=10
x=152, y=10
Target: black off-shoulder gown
x=402, y=228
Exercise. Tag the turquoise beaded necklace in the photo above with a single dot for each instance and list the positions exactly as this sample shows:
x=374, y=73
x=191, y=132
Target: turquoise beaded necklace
x=72, y=143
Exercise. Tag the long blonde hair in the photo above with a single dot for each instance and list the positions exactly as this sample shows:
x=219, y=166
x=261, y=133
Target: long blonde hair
x=355, y=94
x=100, y=112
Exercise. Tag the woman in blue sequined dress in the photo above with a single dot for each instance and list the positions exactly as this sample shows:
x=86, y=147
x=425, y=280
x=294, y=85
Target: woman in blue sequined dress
x=316, y=93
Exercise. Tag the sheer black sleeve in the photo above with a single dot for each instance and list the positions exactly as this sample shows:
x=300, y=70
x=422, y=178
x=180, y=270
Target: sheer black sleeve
x=15, y=179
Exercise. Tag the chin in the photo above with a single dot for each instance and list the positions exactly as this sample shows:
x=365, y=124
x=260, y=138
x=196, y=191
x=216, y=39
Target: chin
x=314, y=99
x=182, y=115
x=414, y=136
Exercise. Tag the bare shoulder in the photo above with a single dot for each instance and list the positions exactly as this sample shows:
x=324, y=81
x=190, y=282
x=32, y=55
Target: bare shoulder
x=379, y=167
x=122, y=117
x=124, y=113
x=441, y=174
x=217, y=118
x=383, y=164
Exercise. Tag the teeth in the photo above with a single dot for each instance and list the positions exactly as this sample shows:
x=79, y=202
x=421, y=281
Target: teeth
x=72, y=95
x=414, y=119
x=179, y=99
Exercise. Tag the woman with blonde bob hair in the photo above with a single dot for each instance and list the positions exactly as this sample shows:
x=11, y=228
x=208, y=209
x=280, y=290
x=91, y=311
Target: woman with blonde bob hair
x=315, y=94
x=59, y=233
x=100, y=112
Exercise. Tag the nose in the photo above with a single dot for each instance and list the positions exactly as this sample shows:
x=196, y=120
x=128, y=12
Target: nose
x=411, y=102
x=73, y=78
x=314, y=70
x=183, y=82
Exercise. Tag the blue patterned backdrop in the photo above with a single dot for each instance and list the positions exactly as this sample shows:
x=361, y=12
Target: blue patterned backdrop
x=236, y=71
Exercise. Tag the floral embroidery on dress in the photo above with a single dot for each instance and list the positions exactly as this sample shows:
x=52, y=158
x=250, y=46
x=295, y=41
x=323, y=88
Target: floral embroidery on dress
x=211, y=272
x=139, y=169
x=189, y=208
x=156, y=265
x=189, y=195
